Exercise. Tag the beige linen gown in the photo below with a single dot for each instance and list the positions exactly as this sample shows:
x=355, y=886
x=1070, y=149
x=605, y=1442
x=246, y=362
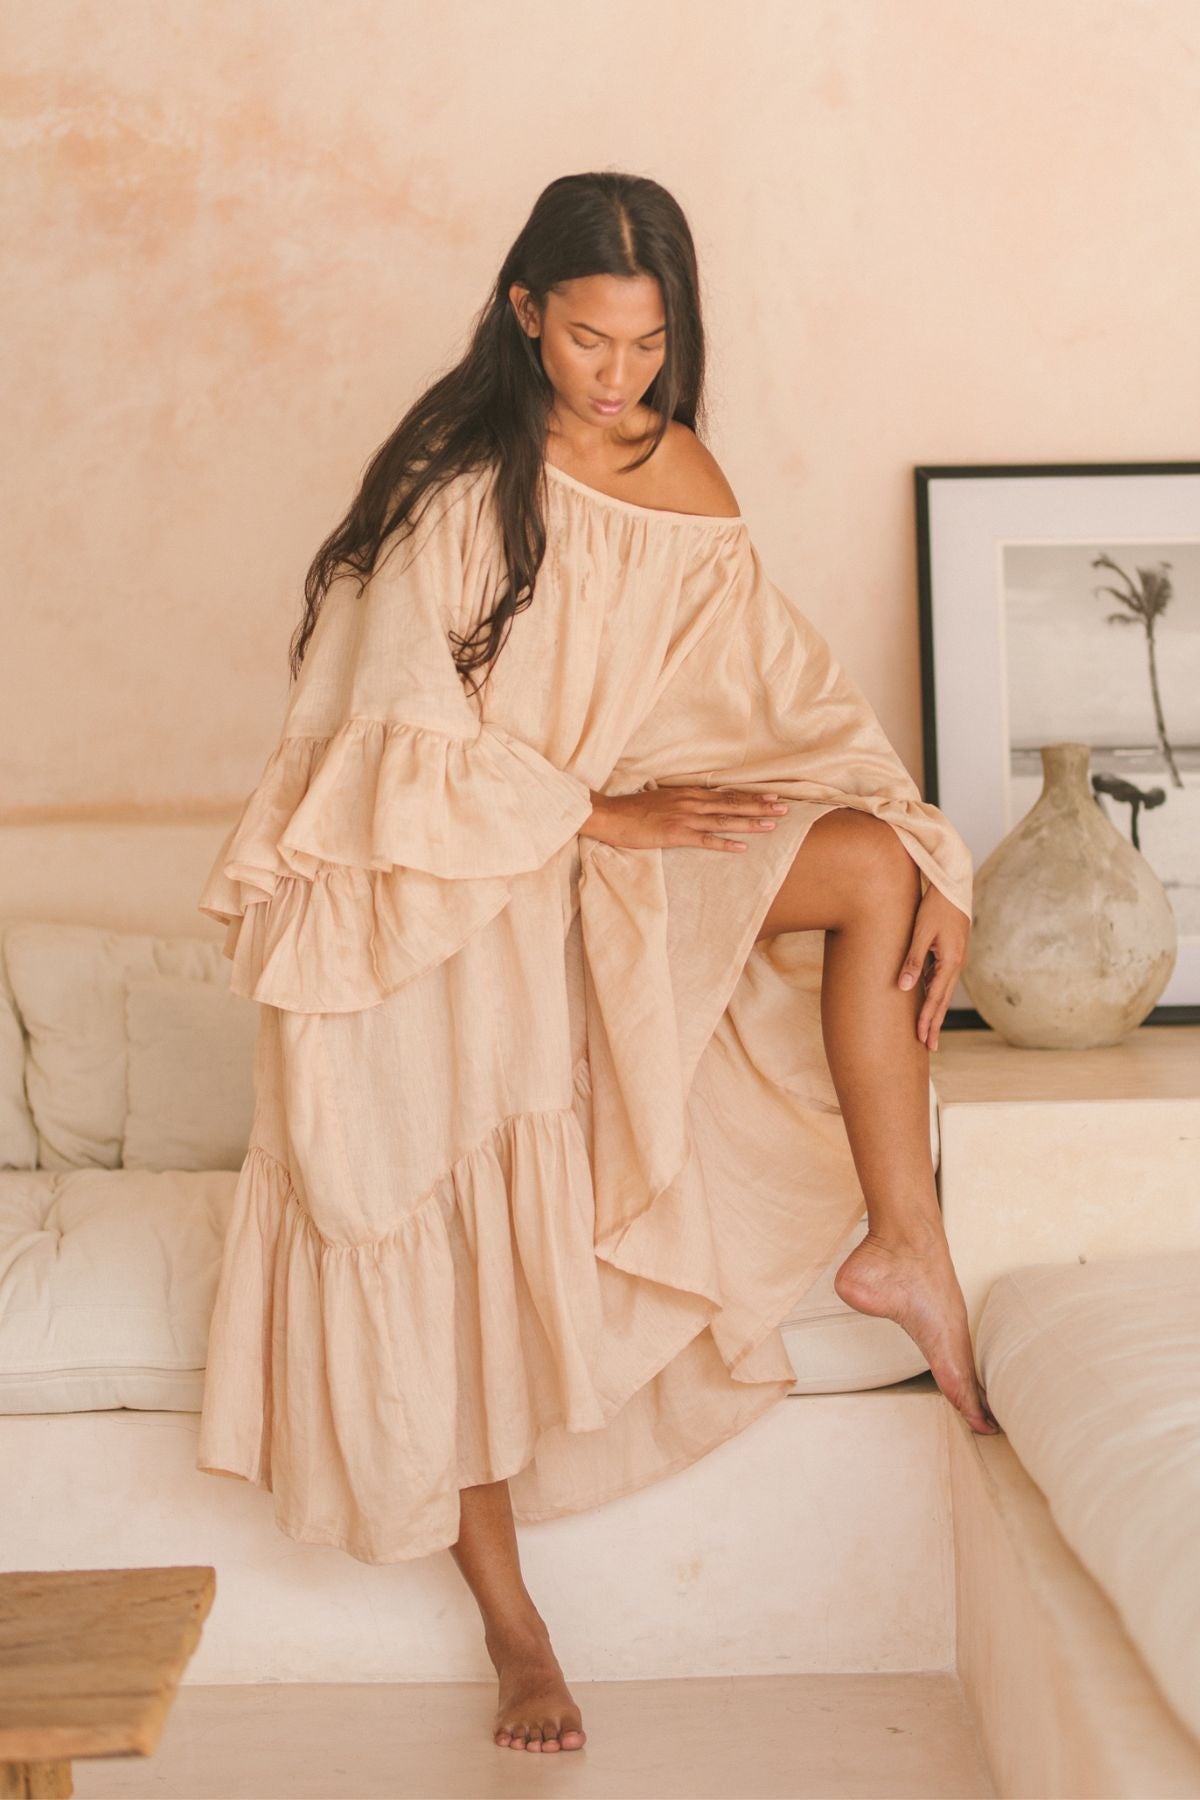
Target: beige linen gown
x=544, y=1146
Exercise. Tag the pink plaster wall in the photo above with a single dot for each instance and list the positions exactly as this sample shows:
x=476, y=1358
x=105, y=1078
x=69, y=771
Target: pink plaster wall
x=242, y=234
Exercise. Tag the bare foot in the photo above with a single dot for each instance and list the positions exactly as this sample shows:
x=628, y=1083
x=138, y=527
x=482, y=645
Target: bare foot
x=915, y=1284
x=536, y=1711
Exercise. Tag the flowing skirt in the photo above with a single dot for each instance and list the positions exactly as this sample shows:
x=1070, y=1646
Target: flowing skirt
x=537, y=1215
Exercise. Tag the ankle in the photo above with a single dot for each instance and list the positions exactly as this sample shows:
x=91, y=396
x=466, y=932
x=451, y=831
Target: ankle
x=517, y=1633
x=917, y=1235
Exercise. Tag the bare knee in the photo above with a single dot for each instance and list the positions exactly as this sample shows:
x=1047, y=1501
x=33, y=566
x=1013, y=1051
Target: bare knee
x=850, y=863
x=874, y=868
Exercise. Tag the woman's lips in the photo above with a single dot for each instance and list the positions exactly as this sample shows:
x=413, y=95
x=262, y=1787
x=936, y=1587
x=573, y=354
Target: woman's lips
x=608, y=406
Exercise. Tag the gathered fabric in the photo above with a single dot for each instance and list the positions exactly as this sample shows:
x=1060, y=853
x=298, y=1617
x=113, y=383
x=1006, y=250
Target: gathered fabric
x=545, y=1144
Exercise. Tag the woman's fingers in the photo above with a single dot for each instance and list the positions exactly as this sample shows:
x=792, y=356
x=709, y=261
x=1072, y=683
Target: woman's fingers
x=715, y=835
x=939, y=985
x=939, y=931
x=696, y=817
x=726, y=810
x=718, y=799
x=702, y=818
x=914, y=963
x=934, y=1010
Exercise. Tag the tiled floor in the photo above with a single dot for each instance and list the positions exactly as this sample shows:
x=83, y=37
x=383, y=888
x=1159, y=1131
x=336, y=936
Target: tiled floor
x=768, y=1737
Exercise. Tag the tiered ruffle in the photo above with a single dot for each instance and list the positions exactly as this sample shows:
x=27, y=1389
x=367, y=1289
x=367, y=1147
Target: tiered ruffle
x=485, y=1338
x=364, y=858
x=446, y=1348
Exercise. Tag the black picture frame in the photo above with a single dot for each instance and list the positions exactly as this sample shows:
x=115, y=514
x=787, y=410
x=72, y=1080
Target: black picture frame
x=965, y=514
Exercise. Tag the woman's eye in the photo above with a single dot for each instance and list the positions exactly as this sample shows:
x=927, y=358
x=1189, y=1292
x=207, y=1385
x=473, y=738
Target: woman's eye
x=646, y=349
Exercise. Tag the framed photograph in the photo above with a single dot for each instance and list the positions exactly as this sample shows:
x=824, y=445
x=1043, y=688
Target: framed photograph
x=1061, y=603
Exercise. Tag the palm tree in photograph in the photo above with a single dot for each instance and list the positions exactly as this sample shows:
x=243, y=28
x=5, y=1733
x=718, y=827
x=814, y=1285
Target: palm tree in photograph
x=1145, y=600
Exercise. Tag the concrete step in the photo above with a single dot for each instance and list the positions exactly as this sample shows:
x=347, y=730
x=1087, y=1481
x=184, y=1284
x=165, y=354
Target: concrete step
x=818, y=1540
x=1060, y=1156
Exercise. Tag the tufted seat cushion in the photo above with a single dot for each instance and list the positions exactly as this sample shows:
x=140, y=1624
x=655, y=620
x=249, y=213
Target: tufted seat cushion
x=107, y=1282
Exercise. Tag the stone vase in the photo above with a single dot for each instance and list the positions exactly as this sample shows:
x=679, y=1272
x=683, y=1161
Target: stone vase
x=1073, y=937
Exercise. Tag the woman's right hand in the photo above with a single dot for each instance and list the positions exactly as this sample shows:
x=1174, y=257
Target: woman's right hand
x=697, y=817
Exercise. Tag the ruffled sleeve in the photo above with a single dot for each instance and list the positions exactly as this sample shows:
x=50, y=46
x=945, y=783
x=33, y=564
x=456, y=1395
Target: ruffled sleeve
x=388, y=822
x=762, y=703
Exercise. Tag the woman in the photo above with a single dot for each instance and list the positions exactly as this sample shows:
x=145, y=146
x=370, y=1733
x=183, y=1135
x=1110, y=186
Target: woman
x=589, y=907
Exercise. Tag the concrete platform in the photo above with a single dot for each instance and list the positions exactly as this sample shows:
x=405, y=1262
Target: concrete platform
x=816, y=1540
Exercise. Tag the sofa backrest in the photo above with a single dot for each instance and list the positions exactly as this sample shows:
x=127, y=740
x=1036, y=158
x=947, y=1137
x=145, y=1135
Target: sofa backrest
x=121, y=1050
x=157, y=1073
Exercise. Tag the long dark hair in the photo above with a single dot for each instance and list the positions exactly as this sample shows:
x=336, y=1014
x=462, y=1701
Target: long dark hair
x=492, y=408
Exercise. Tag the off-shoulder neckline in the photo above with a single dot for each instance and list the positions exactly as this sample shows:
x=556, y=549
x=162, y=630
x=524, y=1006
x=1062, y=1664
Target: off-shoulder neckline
x=629, y=506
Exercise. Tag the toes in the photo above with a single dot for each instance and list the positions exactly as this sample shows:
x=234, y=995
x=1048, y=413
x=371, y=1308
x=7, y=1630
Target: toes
x=981, y=1415
x=568, y=1731
x=981, y=1418
x=549, y=1736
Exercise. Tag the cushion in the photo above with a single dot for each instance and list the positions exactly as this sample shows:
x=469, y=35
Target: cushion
x=70, y=984
x=107, y=1284
x=191, y=1074
x=1093, y=1370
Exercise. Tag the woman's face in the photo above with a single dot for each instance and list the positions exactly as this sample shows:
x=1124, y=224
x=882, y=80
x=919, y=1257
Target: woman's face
x=603, y=339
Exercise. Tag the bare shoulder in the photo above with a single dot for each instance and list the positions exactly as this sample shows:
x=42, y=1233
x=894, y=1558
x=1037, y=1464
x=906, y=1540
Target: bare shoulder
x=693, y=475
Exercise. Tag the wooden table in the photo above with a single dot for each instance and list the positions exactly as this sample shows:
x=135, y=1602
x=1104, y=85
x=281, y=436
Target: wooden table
x=89, y=1663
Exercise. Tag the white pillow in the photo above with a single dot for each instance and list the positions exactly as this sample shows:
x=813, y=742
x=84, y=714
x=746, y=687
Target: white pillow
x=69, y=983
x=191, y=1074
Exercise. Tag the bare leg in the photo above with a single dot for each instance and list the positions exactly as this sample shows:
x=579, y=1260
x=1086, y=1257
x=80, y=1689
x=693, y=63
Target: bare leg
x=536, y=1711
x=853, y=878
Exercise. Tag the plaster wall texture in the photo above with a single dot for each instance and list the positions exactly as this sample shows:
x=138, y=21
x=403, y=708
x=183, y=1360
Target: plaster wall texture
x=244, y=234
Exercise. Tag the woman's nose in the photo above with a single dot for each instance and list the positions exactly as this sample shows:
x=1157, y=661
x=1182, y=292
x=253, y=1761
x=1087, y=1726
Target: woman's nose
x=615, y=373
